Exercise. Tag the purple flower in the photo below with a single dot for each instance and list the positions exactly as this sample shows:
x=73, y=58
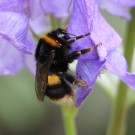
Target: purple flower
x=17, y=18
x=85, y=18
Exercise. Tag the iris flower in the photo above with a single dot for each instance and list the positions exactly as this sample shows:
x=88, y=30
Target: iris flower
x=17, y=27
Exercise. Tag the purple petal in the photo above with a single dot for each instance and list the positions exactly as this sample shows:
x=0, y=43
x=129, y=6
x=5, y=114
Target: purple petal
x=117, y=64
x=11, y=60
x=124, y=3
x=87, y=18
x=87, y=71
x=78, y=25
x=129, y=79
x=35, y=9
x=30, y=41
x=14, y=28
x=115, y=8
x=10, y=5
x=30, y=63
x=30, y=7
x=30, y=60
x=40, y=25
x=59, y=9
x=101, y=30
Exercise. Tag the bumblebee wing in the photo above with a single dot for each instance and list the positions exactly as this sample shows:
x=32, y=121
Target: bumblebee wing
x=41, y=79
x=40, y=83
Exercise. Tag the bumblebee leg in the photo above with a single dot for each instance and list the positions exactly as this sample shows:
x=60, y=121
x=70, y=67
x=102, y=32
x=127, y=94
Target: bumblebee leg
x=76, y=54
x=71, y=79
x=71, y=40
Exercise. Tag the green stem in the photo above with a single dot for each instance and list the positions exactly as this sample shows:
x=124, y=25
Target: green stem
x=55, y=22
x=118, y=117
x=69, y=113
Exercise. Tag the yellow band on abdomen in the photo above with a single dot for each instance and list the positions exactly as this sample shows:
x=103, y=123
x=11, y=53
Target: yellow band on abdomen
x=53, y=80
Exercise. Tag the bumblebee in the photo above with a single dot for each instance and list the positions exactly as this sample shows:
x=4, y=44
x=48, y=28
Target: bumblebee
x=52, y=66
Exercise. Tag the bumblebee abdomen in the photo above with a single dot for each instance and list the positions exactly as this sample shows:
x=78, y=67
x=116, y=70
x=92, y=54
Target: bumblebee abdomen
x=57, y=88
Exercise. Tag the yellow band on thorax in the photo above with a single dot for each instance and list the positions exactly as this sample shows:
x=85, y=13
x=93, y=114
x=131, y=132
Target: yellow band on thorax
x=51, y=41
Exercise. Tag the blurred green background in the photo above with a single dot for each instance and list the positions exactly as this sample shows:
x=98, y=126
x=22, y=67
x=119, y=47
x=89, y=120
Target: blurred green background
x=22, y=114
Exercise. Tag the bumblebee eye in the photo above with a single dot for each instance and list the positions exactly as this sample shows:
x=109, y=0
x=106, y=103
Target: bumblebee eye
x=60, y=35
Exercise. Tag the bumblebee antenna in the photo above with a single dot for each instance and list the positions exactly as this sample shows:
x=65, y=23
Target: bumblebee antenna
x=77, y=37
x=68, y=33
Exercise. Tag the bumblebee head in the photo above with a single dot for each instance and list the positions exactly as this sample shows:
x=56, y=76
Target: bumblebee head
x=64, y=37
x=60, y=34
